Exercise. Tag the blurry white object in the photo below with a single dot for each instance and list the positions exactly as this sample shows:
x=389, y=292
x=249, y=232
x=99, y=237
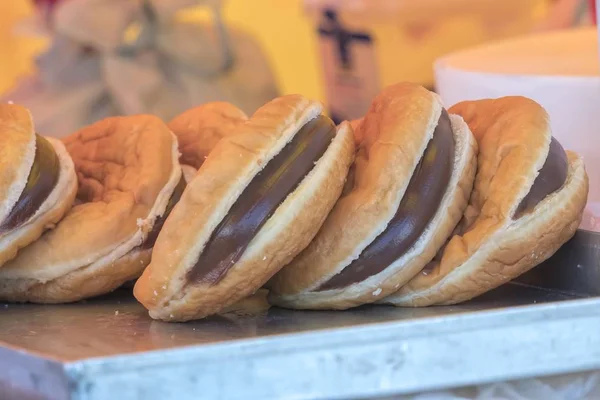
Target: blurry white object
x=559, y=70
x=114, y=57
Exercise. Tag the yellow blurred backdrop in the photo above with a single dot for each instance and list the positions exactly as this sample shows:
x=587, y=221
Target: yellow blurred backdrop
x=15, y=53
x=288, y=36
x=288, y=41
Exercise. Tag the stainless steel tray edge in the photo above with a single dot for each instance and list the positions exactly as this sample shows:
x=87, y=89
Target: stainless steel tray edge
x=360, y=362
x=108, y=349
x=28, y=376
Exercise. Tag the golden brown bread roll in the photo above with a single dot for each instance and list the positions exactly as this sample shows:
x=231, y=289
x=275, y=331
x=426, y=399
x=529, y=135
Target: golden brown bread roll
x=199, y=129
x=528, y=200
x=255, y=203
x=128, y=173
x=412, y=178
x=37, y=181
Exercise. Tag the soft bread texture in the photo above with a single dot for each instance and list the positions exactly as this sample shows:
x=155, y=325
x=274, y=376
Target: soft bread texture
x=252, y=305
x=188, y=172
x=395, y=132
x=80, y=284
x=58, y=202
x=522, y=245
x=199, y=129
x=514, y=136
x=402, y=270
x=127, y=169
x=358, y=133
x=164, y=288
x=17, y=153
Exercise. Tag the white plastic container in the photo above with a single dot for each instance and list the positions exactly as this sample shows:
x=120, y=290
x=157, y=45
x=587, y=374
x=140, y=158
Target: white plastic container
x=367, y=44
x=560, y=70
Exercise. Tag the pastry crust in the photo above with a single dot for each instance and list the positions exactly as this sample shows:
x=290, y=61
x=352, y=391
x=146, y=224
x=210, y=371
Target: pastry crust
x=188, y=172
x=393, y=135
x=510, y=252
x=199, y=129
x=127, y=169
x=285, y=285
x=52, y=210
x=164, y=288
x=80, y=284
x=17, y=153
x=514, y=137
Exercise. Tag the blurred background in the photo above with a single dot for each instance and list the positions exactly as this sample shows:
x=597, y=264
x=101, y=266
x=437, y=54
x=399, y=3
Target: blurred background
x=409, y=38
x=75, y=61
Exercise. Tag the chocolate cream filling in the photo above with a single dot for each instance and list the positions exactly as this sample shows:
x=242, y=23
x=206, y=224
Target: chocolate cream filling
x=280, y=177
x=551, y=177
x=42, y=179
x=419, y=204
x=160, y=221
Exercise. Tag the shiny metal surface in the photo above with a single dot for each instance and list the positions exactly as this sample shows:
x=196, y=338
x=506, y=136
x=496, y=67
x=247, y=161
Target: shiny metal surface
x=117, y=324
x=574, y=269
x=108, y=348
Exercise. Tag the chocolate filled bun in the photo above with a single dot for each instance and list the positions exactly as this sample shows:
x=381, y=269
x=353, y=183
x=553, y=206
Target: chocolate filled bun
x=410, y=184
x=199, y=129
x=528, y=200
x=255, y=203
x=129, y=179
x=37, y=181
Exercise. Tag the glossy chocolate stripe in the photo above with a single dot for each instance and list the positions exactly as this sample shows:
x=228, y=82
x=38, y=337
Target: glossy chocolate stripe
x=551, y=177
x=160, y=221
x=421, y=200
x=40, y=183
x=260, y=199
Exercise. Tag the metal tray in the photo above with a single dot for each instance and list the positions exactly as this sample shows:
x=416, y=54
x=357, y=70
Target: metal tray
x=545, y=323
